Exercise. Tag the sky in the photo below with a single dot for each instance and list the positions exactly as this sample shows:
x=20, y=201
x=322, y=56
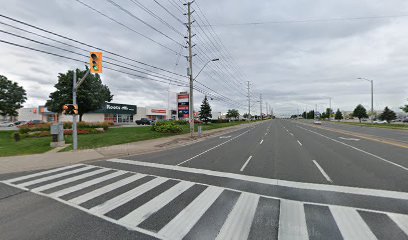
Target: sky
x=304, y=53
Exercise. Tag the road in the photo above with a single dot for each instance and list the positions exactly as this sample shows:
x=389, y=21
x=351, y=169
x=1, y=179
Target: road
x=279, y=179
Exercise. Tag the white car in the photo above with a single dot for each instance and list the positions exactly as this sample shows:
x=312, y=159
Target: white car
x=317, y=122
x=6, y=124
x=380, y=122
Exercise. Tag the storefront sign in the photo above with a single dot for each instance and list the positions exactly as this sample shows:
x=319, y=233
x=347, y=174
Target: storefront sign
x=117, y=108
x=159, y=111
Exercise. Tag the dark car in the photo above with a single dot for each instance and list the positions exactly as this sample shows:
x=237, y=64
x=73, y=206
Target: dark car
x=143, y=121
x=405, y=120
x=33, y=122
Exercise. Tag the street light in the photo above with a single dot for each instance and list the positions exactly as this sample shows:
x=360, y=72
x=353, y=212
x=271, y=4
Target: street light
x=213, y=60
x=191, y=107
x=372, y=96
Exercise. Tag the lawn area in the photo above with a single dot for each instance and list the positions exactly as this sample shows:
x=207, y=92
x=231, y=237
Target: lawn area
x=8, y=147
x=388, y=126
x=114, y=136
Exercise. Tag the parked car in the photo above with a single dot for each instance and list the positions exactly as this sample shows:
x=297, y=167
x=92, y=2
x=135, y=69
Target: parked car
x=317, y=122
x=18, y=123
x=6, y=124
x=33, y=122
x=144, y=121
x=380, y=122
x=405, y=120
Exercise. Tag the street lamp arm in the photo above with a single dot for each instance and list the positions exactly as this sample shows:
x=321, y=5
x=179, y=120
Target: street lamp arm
x=213, y=60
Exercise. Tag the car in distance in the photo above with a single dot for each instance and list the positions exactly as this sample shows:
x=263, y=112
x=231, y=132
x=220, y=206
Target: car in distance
x=380, y=122
x=143, y=121
x=317, y=122
x=405, y=120
x=6, y=124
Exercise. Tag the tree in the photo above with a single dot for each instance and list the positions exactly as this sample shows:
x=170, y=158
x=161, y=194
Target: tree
x=232, y=113
x=304, y=115
x=205, y=112
x=90, y=96
x=360, y=112
x=387, y=115
x=405, y=108
x=246, y=115
x=12, y=97
x=338, y=115
x=311, y=114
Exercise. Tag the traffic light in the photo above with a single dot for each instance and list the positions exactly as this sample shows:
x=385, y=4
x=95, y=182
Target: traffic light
x=95, y=61
x=70, y=109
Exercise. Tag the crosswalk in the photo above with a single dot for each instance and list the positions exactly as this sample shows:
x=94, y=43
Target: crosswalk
x=175, y=209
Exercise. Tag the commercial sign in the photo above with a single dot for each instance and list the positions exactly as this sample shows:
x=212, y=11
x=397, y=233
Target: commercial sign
x=183, y=105
x=159, y=111
x=117, y=108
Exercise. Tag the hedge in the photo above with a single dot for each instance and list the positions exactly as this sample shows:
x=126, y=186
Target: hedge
x=166, y=127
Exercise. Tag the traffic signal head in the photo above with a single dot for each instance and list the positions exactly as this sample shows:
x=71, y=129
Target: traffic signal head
x=70, y=109
x=95, y=62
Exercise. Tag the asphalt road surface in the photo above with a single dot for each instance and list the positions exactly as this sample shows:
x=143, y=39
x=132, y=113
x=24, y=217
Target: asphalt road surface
x=279, y=179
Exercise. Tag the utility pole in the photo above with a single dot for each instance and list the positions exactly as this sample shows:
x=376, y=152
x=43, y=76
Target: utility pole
x=372, y=101
x=249, y=102
x=190, y=59
x=330, y=108
x=260, y=103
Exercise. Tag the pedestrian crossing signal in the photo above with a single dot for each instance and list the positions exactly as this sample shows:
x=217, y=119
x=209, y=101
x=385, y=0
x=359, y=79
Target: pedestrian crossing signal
x=70, y=109
x=95, y=61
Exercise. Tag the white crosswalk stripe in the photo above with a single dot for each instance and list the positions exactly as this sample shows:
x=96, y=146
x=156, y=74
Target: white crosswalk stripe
x=351, y=224
x=236, y=224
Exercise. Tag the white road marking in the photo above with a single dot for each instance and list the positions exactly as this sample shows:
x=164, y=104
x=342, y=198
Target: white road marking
x=291, y=134
x=350, y=139
x=225, y=136
x=351, y=224
x=271, y=181
x=238, y=223
x=127, y=196
x=219, y=145
x=87, y=184
x=41, y=173
x=292, y=221
x=322, y=171
x=261, y=141
x=358, y=149
x=179, y=226
x=68, y=180
x=25, y=184
x=146, y=210
x=247, y=161
x=400, y=220
x=299, y=142
x=97, y=192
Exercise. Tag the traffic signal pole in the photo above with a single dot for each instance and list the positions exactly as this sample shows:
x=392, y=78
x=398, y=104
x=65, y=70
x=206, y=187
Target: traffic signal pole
x=75, y=86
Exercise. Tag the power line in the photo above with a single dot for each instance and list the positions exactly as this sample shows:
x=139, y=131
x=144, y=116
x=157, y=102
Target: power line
x=306, y=21
x=124, y=25
x=82, y=43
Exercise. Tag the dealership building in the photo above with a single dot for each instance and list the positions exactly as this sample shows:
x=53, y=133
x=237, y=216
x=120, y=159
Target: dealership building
x=111, y=112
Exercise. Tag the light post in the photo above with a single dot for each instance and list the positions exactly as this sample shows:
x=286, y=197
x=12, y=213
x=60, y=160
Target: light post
x=372, y=96
x=191, y=108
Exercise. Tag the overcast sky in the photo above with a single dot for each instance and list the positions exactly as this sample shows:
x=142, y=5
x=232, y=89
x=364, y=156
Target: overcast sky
x=295, y=61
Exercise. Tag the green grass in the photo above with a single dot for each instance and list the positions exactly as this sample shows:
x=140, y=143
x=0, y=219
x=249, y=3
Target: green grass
x=114, y=136
x=8, y=147
x=388, y=126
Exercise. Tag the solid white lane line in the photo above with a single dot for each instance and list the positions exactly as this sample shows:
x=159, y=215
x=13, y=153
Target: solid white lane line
x=138, y=215
x=25, y=184
x=322, y=171
x=292, y=221
x=219, y=145
x=299, y=142
x=400, y=220
x=97, y=192
x=68, y=180
x=238, y=223
x=351, y=224
x=41, y=173
x=126, y=197
x=247, y=161
x=261, y=141
x=358, y=149
x=179, y=226
x=271, y=181
x=86, y=184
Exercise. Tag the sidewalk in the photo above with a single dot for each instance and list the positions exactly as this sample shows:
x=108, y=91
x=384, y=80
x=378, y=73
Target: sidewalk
x=52, y=159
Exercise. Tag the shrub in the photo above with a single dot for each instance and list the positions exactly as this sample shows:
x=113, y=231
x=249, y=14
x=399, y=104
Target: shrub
x=80, y=131
x=166, y=127
x=219, y=120
x=104, y=125
x=181, y=122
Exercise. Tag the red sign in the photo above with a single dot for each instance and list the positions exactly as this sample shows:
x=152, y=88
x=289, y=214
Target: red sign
x=158, y=110
x=182, y=96
x=183, y=107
